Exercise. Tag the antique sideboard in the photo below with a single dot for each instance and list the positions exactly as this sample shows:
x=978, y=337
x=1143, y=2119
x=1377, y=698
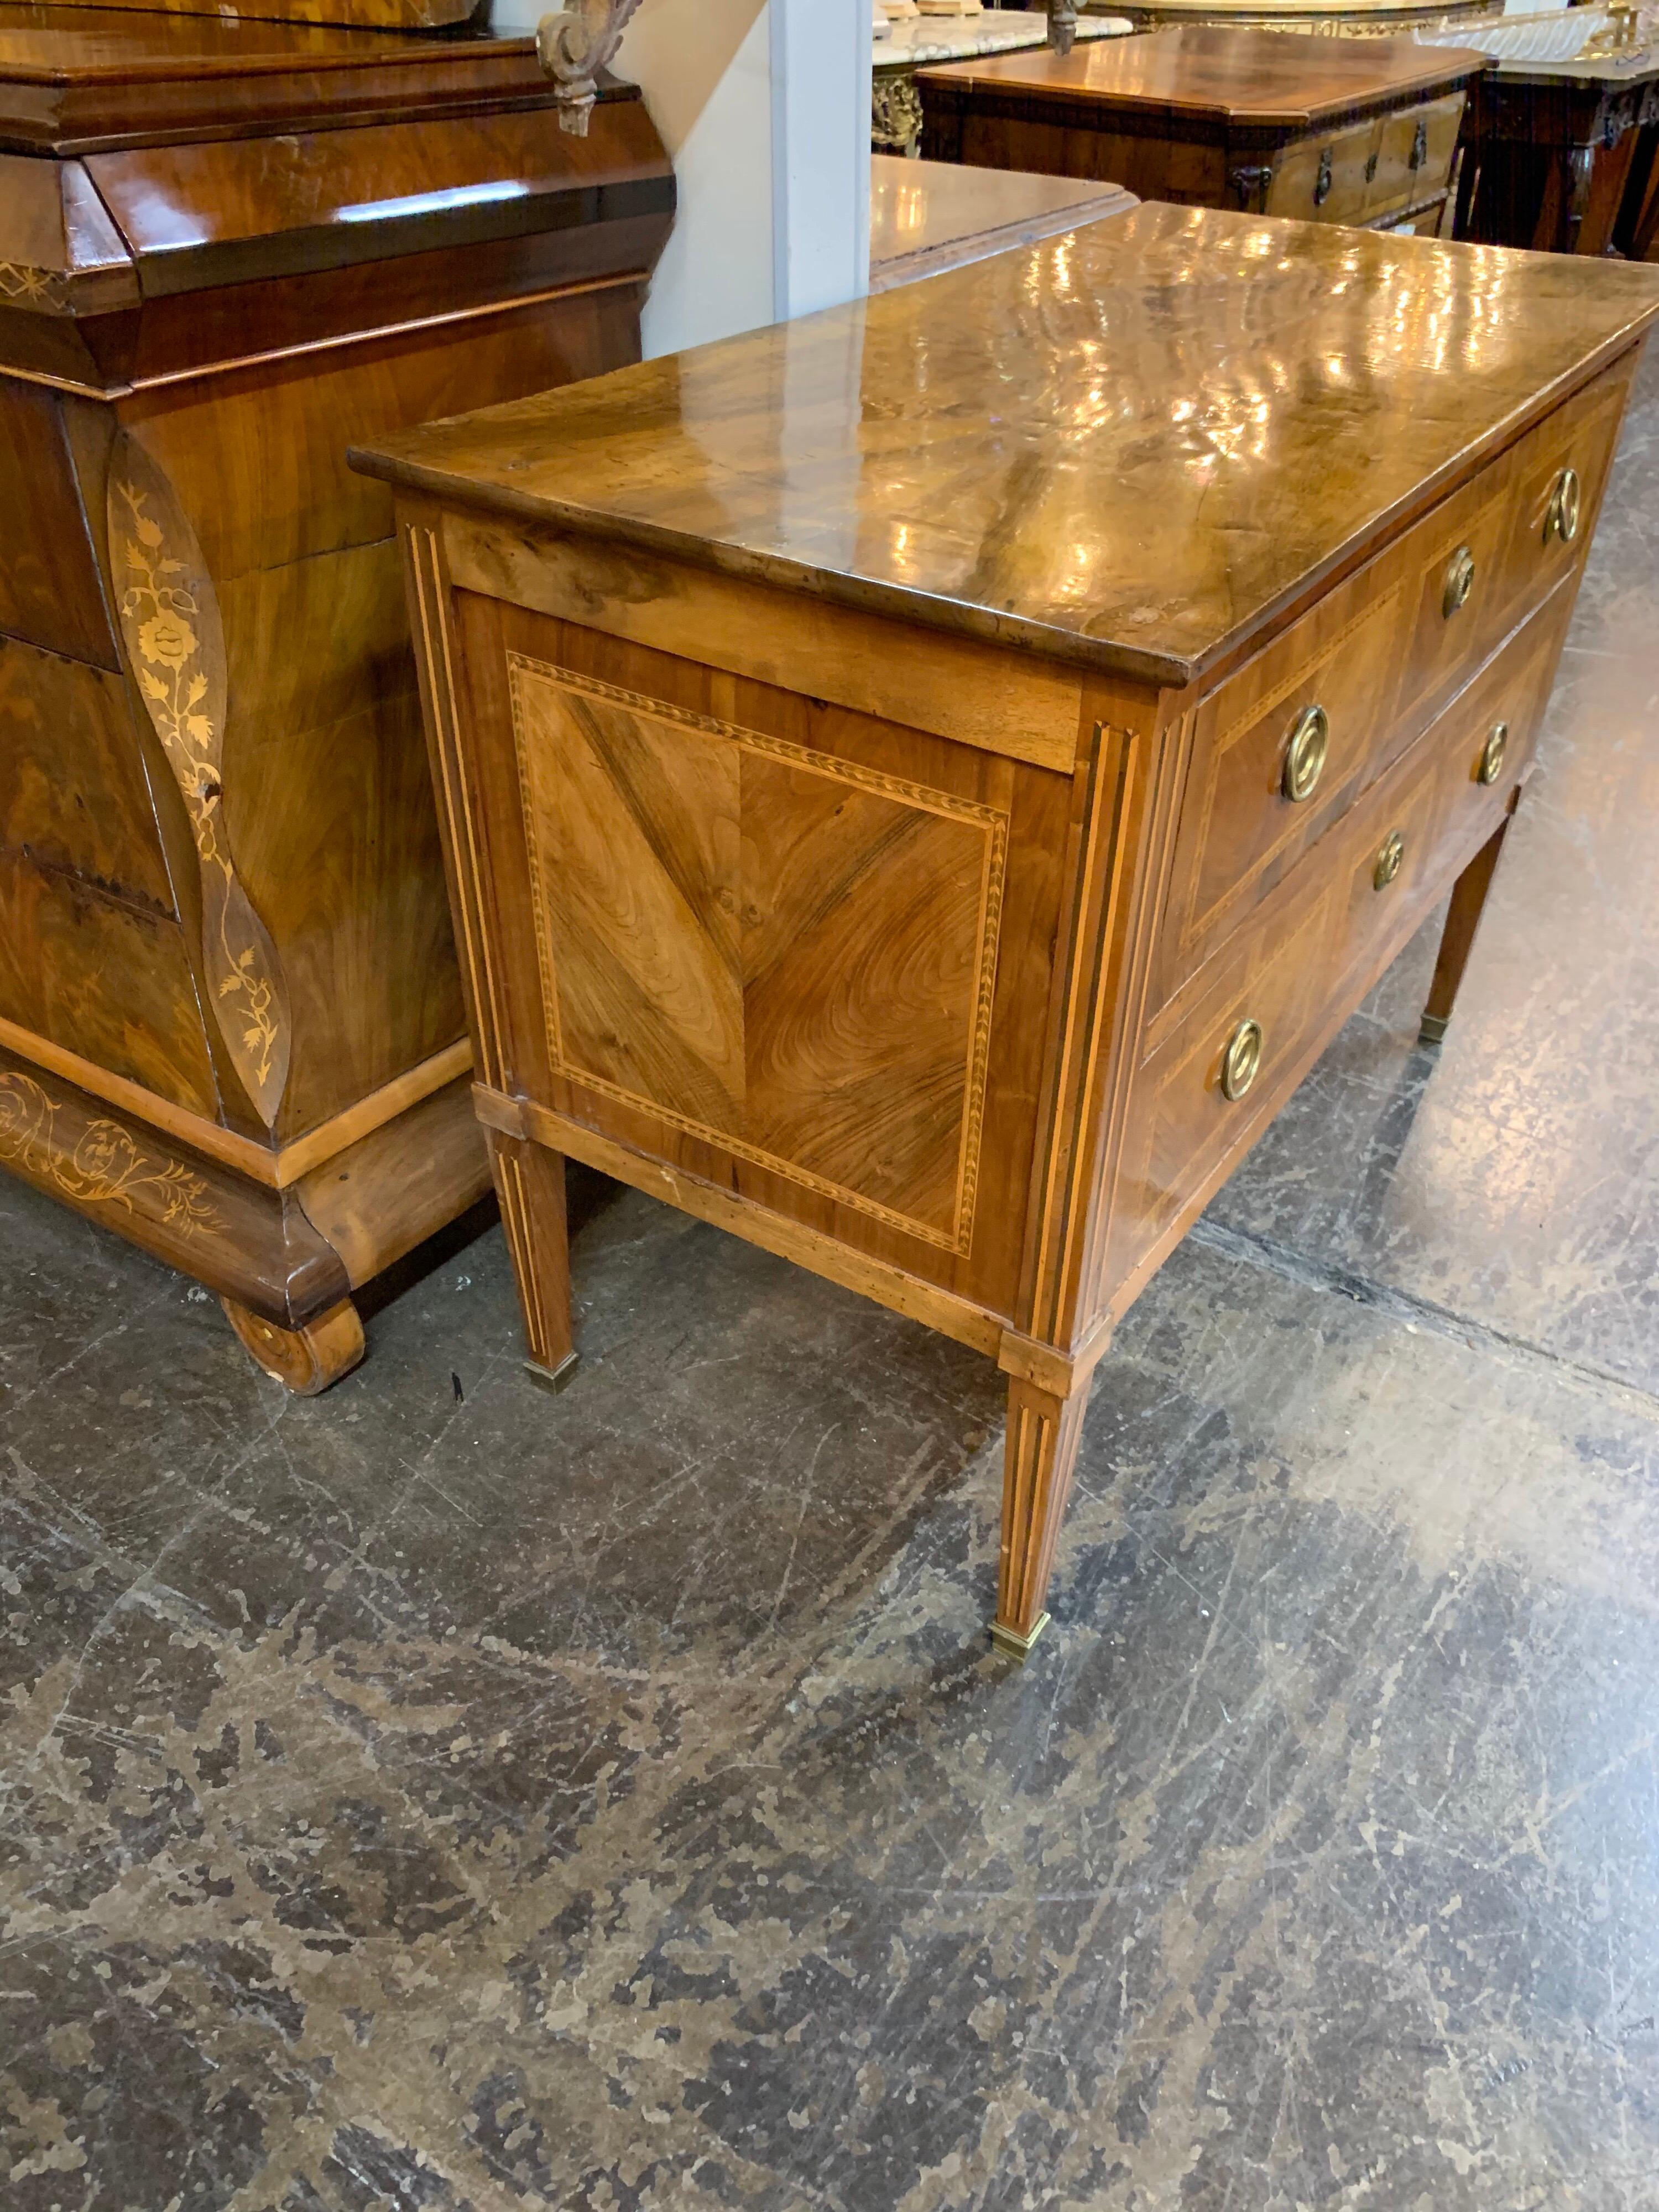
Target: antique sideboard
x=932, y=839
x=231, y=1025
x=1340, y=130
x=1563, y=156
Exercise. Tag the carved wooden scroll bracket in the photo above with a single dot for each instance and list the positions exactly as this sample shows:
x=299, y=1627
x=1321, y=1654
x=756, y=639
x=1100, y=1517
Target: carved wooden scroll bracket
x=574, y=45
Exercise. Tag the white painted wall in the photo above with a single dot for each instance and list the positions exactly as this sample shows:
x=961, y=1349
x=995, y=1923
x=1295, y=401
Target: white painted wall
x=764, y=107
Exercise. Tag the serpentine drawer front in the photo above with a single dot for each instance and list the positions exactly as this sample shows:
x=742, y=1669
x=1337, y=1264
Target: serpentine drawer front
x=932, y=835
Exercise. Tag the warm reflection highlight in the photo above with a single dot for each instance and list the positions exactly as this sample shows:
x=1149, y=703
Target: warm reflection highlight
x=1140, y=436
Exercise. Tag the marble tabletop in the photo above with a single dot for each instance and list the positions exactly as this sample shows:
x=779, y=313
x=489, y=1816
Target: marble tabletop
x=1629, y=67
x=920, y=39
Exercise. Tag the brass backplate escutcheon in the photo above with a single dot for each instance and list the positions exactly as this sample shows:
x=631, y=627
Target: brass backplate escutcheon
x=1460, y=581
x=1391, y=853
x=1561, y=518
x=1304, y=753
x=1490, y=766
x=1242, y=1058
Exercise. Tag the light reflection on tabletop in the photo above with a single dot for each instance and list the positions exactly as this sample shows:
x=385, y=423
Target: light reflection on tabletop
x=1140, y=435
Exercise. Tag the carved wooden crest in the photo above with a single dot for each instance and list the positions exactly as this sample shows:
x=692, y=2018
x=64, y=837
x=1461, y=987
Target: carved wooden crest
x=574, y=47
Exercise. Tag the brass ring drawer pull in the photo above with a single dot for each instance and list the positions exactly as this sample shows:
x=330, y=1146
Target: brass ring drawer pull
x=1390, y=854
x=1460, y=581
x=1490, y=766
x=1561, y=517
x=1304, y=753
x=1242, y=1058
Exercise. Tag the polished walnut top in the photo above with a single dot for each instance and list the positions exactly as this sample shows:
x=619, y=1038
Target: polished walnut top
x=1227, y=73
x=1131, y=445
x=929, y=215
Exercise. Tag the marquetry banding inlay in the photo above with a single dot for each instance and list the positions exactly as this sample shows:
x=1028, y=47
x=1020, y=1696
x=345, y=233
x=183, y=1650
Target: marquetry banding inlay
x=691, y=877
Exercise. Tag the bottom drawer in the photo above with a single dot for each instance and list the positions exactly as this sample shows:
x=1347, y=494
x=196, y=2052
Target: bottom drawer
x=1389, y=862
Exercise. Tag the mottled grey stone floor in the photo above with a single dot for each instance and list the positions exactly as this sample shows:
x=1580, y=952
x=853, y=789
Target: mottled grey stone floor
x=613, y=1804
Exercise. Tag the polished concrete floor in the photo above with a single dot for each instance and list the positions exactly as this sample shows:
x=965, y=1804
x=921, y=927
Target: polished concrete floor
x=435, y=1795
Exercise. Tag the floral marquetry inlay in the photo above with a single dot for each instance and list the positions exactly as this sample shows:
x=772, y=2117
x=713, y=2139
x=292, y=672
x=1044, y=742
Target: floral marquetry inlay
x=170, y=624
x=35, y=288
x=102, y=1167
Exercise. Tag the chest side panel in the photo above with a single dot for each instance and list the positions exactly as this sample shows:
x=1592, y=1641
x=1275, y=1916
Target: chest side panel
x=793, y=949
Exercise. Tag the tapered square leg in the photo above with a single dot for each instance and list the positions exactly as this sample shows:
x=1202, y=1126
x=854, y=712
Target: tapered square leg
x=1468, y=901
x=530, y=1183
x=1039, y=1460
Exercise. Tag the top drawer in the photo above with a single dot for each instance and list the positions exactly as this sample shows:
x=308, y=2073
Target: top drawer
x=1413, y=155
x=1487, y=556
x=1371, y=666
x=1324, y=179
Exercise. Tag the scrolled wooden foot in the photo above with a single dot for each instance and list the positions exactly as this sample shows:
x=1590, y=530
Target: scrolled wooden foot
x=306, y=1360
x=1039, y=1459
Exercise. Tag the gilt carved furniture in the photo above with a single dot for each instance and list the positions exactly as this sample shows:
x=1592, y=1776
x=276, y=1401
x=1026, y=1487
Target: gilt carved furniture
x=926, y=216
x=1326, y=19
x=915, y=42
x=1561, y=155
x=1347, y=130
x=231, y=1025
x=932, y=839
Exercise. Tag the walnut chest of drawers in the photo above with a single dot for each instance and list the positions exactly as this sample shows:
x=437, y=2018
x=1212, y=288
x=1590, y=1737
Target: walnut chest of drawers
x=932, y=838
x=1349, y=130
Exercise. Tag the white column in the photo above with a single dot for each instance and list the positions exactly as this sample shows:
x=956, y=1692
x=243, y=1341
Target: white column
x=820, y=55
x=764, y=107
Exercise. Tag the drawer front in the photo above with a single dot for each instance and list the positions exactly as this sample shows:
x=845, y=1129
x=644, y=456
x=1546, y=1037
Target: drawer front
x=1389, y=857
x=1413, y=155
x=1324, y=179
x=1383, y=655
x=1243, y=824
x=1499, y=530
x=1273, y=975
x=1305, y=956
x=1489, y=734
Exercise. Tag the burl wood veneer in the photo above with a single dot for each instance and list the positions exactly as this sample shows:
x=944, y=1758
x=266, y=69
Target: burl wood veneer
x=231, y=1024
x=931, y=837
x=1348, y=130
x=928, y=216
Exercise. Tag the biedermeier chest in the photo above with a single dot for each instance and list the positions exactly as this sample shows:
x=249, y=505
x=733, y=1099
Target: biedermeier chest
x=923, y=784
x=1348, y=130
x=231, y=1024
